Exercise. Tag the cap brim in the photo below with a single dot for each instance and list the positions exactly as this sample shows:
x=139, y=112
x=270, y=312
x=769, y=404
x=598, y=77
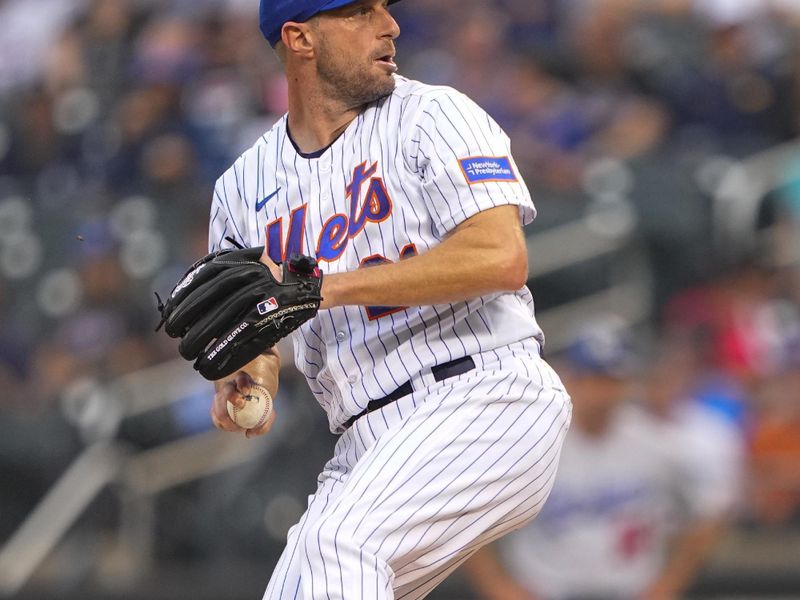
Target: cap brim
x=339, y=3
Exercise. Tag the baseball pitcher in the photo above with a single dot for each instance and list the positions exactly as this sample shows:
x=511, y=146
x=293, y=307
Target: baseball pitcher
x=379, y=222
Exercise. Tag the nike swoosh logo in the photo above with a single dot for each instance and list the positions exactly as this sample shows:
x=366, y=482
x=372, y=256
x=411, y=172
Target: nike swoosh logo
x=260, y=203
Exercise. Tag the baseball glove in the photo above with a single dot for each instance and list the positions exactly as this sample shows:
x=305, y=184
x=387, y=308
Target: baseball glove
x=228, y=308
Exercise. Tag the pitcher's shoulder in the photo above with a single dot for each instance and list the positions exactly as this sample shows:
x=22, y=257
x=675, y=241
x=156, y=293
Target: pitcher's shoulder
x=411, y=90
x=420, y=103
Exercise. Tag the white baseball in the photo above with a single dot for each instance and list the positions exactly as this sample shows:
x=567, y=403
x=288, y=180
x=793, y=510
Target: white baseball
x=257, y=408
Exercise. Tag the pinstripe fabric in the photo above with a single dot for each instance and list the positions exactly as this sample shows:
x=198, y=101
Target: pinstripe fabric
x=416, y=487
x=414, y=138
x=390, y=522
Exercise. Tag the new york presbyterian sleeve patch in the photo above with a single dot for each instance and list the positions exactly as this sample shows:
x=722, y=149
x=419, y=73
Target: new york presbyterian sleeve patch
x=480, y=169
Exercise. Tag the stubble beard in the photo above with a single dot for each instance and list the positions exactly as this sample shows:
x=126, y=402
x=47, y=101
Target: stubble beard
x=352, y=86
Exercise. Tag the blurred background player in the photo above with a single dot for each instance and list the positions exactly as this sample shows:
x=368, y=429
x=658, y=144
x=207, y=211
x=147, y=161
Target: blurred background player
x=637, y=506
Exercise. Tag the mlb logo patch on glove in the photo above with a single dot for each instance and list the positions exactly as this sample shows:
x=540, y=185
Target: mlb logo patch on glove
x=267, y=306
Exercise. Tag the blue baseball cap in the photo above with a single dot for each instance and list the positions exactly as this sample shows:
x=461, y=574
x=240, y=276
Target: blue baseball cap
x=272, y=14
x=603, y=346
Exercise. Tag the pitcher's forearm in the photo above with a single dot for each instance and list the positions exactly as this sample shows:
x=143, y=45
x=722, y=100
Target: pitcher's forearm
x=486, y=254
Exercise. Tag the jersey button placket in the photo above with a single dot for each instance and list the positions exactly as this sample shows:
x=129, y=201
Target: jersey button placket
x=341, y=336
x=352, y=379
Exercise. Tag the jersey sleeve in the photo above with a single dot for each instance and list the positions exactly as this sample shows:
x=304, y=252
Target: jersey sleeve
x=226, y=213
x=463, y=159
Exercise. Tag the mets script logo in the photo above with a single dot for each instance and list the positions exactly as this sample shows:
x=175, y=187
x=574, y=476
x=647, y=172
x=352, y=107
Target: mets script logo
x=369, y=203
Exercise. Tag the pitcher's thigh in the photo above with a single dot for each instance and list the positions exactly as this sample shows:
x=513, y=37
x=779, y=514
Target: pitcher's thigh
x=459, y=472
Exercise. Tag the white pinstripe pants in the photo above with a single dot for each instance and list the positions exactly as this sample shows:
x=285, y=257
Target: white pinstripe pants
x=418, y=486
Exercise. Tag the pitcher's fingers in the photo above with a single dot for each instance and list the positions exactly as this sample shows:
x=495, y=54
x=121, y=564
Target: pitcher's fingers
x=228, y=425
x=243, y=383
x=219, y=407
x=277, y=272
x=225, y=423
x=229, y=392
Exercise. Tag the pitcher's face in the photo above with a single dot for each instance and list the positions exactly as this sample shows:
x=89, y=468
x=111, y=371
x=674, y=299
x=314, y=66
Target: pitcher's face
x=355, y=51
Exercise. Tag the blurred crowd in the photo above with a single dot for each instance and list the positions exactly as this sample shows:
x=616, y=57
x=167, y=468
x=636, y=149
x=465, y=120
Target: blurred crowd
x=117, y=116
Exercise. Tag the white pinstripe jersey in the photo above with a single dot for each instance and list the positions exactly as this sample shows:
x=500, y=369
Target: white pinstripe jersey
x=405, y=172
